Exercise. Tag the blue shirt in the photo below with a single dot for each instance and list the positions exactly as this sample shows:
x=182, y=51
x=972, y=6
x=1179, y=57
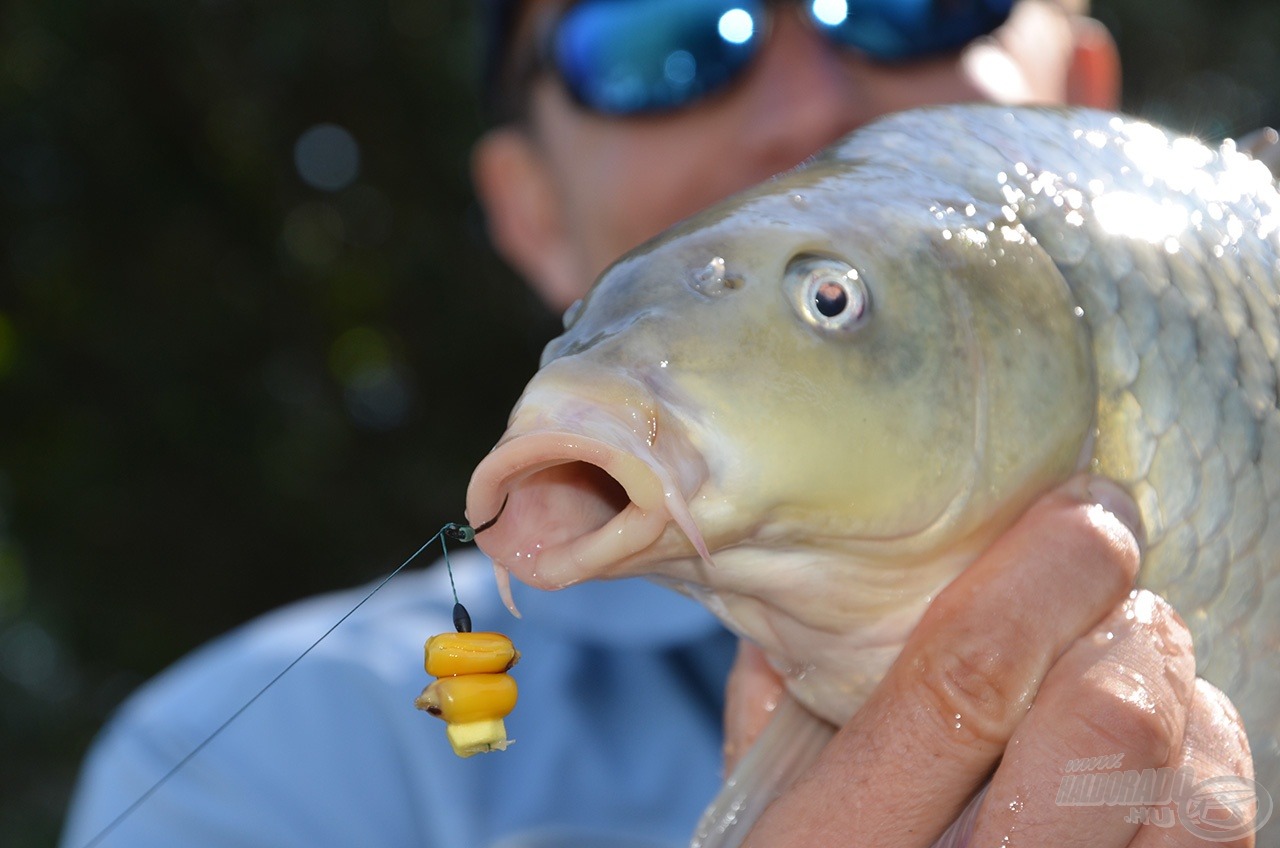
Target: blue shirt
x=617, y=733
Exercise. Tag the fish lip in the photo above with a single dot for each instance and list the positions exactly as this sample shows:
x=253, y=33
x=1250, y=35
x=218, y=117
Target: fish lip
x=559, y=528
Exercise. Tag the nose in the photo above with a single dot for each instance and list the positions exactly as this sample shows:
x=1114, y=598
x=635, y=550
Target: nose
x=802, y=94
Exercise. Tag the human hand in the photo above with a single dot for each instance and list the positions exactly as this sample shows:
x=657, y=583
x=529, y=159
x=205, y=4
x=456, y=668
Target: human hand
x=1046, y=614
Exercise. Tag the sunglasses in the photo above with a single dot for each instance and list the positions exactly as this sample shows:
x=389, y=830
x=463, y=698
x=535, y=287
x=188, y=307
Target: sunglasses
x=632, y=57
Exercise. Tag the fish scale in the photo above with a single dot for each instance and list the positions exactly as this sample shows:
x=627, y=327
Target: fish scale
x=1186, y=355
x=1144, y=269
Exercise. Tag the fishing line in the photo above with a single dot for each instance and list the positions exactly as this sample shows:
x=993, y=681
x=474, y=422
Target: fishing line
x=462, y=533
x=461, y=620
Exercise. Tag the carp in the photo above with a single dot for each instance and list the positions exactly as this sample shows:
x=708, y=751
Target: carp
x=812, y=405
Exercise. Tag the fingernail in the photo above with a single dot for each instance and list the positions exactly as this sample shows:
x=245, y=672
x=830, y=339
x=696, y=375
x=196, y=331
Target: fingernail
x=1115, y=500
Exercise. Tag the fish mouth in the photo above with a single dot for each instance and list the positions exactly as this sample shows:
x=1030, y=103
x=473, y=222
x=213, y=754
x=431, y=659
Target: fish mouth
x=584, y=493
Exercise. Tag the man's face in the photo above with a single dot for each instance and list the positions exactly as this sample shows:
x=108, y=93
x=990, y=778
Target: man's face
x=610, y=183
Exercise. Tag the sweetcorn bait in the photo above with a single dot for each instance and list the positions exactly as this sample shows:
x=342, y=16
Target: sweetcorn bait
x=450, y=654
x=473, y=692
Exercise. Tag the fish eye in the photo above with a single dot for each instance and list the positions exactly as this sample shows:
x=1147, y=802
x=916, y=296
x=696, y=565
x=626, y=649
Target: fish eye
x=827, y=293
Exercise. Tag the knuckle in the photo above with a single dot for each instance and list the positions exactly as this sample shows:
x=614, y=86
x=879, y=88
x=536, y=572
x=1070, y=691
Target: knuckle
x=1093, y=539
x=971, y=689
x=1123, y=716
x=1220, y=729
x=1174, y=627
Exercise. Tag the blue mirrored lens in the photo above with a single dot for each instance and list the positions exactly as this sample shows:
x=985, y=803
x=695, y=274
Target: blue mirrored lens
x=894, y=30
x=622, y=57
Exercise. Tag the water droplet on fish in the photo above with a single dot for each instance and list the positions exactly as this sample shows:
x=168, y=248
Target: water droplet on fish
x=958, y=722
x=712, y=281
x=799, y=202
x=713, y=273
x=1015, y=806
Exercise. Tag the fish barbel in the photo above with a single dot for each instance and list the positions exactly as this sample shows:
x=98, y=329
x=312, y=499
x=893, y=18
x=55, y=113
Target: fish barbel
x=812, y=405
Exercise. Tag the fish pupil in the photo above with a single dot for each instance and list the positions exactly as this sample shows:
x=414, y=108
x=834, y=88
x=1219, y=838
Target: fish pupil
x=831, y=299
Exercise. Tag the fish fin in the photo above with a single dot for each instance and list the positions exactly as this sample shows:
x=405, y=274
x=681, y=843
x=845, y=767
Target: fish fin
x=788, y=744
x=960, y=833
x=1263, y=145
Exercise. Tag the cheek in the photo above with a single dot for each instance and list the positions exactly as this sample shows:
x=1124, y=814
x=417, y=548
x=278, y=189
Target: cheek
x=617, y=182
x=628, y=199
x=893, y=89
x=626, y=192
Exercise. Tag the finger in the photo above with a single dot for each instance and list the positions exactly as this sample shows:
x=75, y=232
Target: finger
x=1106, y=726
x=752, y=695
x=1215, y=754
x=932, y=730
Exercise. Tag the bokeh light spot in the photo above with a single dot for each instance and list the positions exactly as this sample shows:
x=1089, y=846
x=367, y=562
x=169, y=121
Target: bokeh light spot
x=831, y=12
x=358, y=349
x=736, y=26
x=680, y=67
x=375, y=388
x=28, y=655
x=313, y=234
x=327, y=157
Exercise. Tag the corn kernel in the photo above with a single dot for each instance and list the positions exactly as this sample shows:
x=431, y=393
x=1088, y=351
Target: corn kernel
x=469, y=698
x=449, y=654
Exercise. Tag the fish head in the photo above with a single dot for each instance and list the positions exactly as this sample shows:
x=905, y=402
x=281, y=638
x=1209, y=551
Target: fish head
x=788, y=402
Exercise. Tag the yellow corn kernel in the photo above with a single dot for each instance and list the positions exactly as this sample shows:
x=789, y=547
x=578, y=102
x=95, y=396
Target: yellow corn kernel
x=449, y=654
x=477, y=737
x=469, y=698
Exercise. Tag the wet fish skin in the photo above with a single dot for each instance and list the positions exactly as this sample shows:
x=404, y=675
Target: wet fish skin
x=1179, y=283
x=1050, y=290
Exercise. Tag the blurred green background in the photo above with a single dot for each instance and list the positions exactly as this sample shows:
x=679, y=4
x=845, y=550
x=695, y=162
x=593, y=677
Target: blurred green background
x=251, y=339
